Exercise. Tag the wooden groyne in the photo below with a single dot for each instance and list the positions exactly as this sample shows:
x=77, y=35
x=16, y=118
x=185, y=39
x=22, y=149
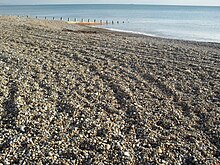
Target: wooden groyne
x=80, y=21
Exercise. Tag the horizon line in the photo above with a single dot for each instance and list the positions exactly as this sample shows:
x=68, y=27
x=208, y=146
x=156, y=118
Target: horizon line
x=110, y=4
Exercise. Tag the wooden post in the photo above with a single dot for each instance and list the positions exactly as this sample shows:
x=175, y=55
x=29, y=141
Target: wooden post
x=68, y=19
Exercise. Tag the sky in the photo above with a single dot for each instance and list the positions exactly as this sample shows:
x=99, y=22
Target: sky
x=166, y=2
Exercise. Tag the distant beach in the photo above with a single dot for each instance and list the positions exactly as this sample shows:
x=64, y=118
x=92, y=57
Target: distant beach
x=195, y=23
x=72, y=94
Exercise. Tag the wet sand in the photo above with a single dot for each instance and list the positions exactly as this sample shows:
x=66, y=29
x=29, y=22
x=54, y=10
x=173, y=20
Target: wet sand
x=88, y=23
x=72, y=94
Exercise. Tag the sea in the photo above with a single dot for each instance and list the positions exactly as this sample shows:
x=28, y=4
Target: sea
x=197, y=23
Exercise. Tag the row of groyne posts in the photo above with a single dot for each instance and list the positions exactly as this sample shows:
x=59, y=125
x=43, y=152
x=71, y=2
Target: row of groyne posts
x=76, y=20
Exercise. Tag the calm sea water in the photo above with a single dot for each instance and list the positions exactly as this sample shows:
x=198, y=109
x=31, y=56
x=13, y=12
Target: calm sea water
x=179, y=22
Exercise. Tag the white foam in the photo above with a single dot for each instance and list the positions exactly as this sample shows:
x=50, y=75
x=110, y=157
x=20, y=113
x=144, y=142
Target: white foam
x=128, y=31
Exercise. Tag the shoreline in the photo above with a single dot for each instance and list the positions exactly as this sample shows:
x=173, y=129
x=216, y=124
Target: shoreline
x=163, y=37
x=73, y=94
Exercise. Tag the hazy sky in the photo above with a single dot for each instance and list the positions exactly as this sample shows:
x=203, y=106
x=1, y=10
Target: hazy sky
x=178, y=2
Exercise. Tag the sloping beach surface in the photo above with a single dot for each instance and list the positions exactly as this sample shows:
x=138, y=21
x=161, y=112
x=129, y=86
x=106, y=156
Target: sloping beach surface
x=77, y=95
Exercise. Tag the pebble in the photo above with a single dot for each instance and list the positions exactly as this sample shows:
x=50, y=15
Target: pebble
x=127, y=154
x=22, y=128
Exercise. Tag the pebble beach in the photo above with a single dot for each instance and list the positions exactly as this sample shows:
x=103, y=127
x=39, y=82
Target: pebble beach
x=72, y=94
